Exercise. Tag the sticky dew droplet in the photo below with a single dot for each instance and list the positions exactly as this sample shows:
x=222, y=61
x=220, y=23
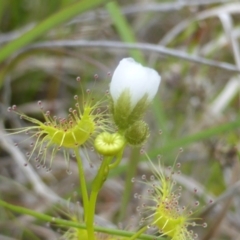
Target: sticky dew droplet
x=152, y=177
x=76, y=97
x=204, y=225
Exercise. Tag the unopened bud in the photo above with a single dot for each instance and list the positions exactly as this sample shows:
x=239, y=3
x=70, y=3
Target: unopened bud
x=137, y=133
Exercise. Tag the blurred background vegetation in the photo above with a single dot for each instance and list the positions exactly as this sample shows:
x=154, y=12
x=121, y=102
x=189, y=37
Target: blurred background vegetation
x=193, y=44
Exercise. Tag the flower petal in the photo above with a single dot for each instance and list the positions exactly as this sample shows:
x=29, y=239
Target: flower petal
x=139, y=80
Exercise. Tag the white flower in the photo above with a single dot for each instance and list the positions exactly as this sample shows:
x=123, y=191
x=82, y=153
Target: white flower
x=139, y=80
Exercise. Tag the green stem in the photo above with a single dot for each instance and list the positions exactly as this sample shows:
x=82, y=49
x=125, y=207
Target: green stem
x=138, y=233
x=96, y=186
x=118, y=160
x=82, y=181
x=90, y=215
x=130, y=173
x=67, y=223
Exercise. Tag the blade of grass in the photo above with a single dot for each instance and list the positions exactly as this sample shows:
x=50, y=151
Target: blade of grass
x=130, y=173
x=3, y=4
x=123, y=28
x=49, y=23
x=204, y=134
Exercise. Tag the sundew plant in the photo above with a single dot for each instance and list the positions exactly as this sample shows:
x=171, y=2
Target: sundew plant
x=108, y=126
x=119, y=120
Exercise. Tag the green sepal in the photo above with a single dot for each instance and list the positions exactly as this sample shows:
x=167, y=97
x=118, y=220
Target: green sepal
x=137, y=134
x=123, y=115
x=121, y=110
x=139, y=110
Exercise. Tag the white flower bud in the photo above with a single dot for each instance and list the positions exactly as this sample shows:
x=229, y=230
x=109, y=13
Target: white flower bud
x=137, y=79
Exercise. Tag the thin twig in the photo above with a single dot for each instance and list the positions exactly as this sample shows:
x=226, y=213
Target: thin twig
x=113, y=45
x=230, y=192
x=144, y=8
x=233, y=85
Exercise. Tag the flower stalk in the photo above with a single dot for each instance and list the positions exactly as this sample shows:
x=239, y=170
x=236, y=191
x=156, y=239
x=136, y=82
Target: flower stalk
x=82, y=183
x=96, y=186
x=109, y=145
